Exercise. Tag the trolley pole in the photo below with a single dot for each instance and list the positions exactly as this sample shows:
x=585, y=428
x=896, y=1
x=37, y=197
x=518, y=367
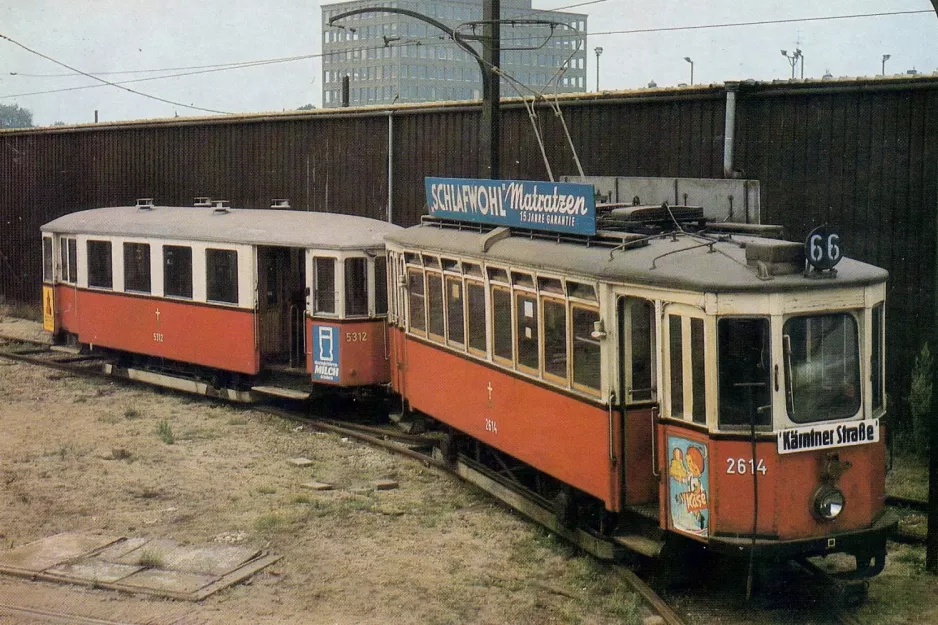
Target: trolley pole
x=931, y=541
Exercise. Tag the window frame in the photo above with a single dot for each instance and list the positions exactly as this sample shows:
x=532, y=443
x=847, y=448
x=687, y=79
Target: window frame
x=315, y=294
x=595, y=392
x=48, y=259
x=687, y=314
x=166, y=273
x=149, y=265
x=416, y=272
x=482, y=353
x=449, y=279
x=496, y=357
x=355, y=297
x=68, y=257
x=542, y=341
x=438, y=277
x=102, y=264
x=208, y=276
x=516, y=295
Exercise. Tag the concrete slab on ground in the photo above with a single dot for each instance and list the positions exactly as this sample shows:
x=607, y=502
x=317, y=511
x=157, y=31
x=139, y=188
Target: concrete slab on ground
x=137, y=564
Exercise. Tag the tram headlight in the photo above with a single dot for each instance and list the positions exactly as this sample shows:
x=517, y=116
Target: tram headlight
x=828, y=502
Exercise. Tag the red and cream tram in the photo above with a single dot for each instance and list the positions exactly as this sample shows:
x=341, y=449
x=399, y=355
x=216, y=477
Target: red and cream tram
x=638, y=371
x=219, y=299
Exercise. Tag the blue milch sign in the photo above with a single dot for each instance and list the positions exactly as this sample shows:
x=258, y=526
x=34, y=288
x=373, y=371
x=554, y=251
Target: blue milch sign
x=325, y=353
x=555, y=206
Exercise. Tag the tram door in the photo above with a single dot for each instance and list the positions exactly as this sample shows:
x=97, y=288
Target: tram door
x=637, y=353
x=281, y=284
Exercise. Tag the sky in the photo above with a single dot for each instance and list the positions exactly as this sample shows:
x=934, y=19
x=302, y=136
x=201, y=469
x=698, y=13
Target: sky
x=104, y=36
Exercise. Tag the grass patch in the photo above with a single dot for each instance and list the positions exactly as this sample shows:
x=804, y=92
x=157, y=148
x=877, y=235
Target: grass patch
x=302, y=500
x=165, y=432
x=266, y=490
x=908, y=477
x=151, y=559
x=269, y=523
x=131, y=413
x=237, y=420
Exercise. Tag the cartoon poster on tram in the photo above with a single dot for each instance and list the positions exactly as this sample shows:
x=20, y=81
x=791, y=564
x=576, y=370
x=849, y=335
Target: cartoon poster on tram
x=689, y=486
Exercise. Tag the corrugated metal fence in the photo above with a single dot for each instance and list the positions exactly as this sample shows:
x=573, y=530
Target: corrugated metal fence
x=859, y=155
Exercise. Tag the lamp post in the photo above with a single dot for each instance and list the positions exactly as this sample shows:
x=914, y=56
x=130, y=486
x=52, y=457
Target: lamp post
x=688, y=59
x=598, y=51
x=886, y=57
x=793, y=61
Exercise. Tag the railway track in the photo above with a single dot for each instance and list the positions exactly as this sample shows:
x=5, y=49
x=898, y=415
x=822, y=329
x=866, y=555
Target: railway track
x=419, y=447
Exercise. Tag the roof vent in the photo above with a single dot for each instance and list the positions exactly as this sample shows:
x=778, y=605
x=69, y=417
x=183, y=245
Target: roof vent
x=203, y=201
x=281, y=203
x=221, y=206
x=145, y=203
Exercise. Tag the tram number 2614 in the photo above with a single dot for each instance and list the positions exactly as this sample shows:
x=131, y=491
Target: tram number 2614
x=744, y=466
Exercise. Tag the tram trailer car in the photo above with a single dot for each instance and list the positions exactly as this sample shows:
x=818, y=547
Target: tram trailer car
x=231, y=297
x=689, y=384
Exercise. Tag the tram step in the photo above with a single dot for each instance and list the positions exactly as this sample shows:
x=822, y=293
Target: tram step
x=277, y=391
x=640, y=544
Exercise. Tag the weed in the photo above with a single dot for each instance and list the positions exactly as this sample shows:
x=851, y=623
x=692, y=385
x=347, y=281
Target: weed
x=120, y=453
x=131, y=413
x=920, y=398
x=237, y=420
x=165, y=432
x=266, y=490
x=269, y=523
x=150, y=559
x=109, y=419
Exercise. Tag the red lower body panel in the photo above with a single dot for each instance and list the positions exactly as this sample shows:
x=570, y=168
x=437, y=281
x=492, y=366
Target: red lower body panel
x=347, y=353
x=562, y=436
x=210, y=336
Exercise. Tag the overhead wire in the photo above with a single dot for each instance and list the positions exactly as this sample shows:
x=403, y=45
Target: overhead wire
x=128, y=89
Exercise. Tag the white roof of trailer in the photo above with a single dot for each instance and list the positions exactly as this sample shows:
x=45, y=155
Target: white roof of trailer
x=681, y=262
x=283, y=228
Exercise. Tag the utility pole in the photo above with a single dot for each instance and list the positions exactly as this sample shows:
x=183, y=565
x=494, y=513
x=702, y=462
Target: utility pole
x=491, y=88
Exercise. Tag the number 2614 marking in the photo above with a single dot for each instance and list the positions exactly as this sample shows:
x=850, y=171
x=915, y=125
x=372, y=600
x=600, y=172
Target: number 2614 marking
x=743, y=466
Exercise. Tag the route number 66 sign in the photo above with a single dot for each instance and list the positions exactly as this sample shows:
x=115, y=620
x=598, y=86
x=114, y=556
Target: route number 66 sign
x=823, y=248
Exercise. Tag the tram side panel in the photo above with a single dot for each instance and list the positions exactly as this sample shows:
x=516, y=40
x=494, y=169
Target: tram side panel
x=564, y=437
x=211, y=336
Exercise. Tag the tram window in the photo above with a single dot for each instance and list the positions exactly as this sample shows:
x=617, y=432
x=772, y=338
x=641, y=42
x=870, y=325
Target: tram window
x=431, y=261
x=550, y=285
x=822, y=367
x=526, y=329
x=876, y=357
x=356, y=286
x=450, y=264
x=522, y=279
x=324, y=296
x=381, y=285
x=676, y=351
x=416, y=301
x=455, y=314
x=555, y=339
x=586, y=368
x=697, y=366
x=137, y=267
x=475, y=308
x=221, y=275
x=177, y=271
x=100, y=271
x=641, y=319
x=471, y=269
x=580, y=290
x=47, y=259
x=435, y=305
x=502, y=346
x=498, y=275
x=412, y=259
x=68, y=248
x=744, y=372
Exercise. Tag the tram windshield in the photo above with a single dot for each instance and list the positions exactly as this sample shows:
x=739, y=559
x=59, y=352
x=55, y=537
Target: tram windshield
x=822, y=367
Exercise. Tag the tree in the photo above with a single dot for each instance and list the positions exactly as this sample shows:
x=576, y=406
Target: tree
x=12, y=116
x=310, y=107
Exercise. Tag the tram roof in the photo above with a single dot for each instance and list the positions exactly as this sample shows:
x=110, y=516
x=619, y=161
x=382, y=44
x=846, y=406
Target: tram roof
x=283, y=228
x=681, y=262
